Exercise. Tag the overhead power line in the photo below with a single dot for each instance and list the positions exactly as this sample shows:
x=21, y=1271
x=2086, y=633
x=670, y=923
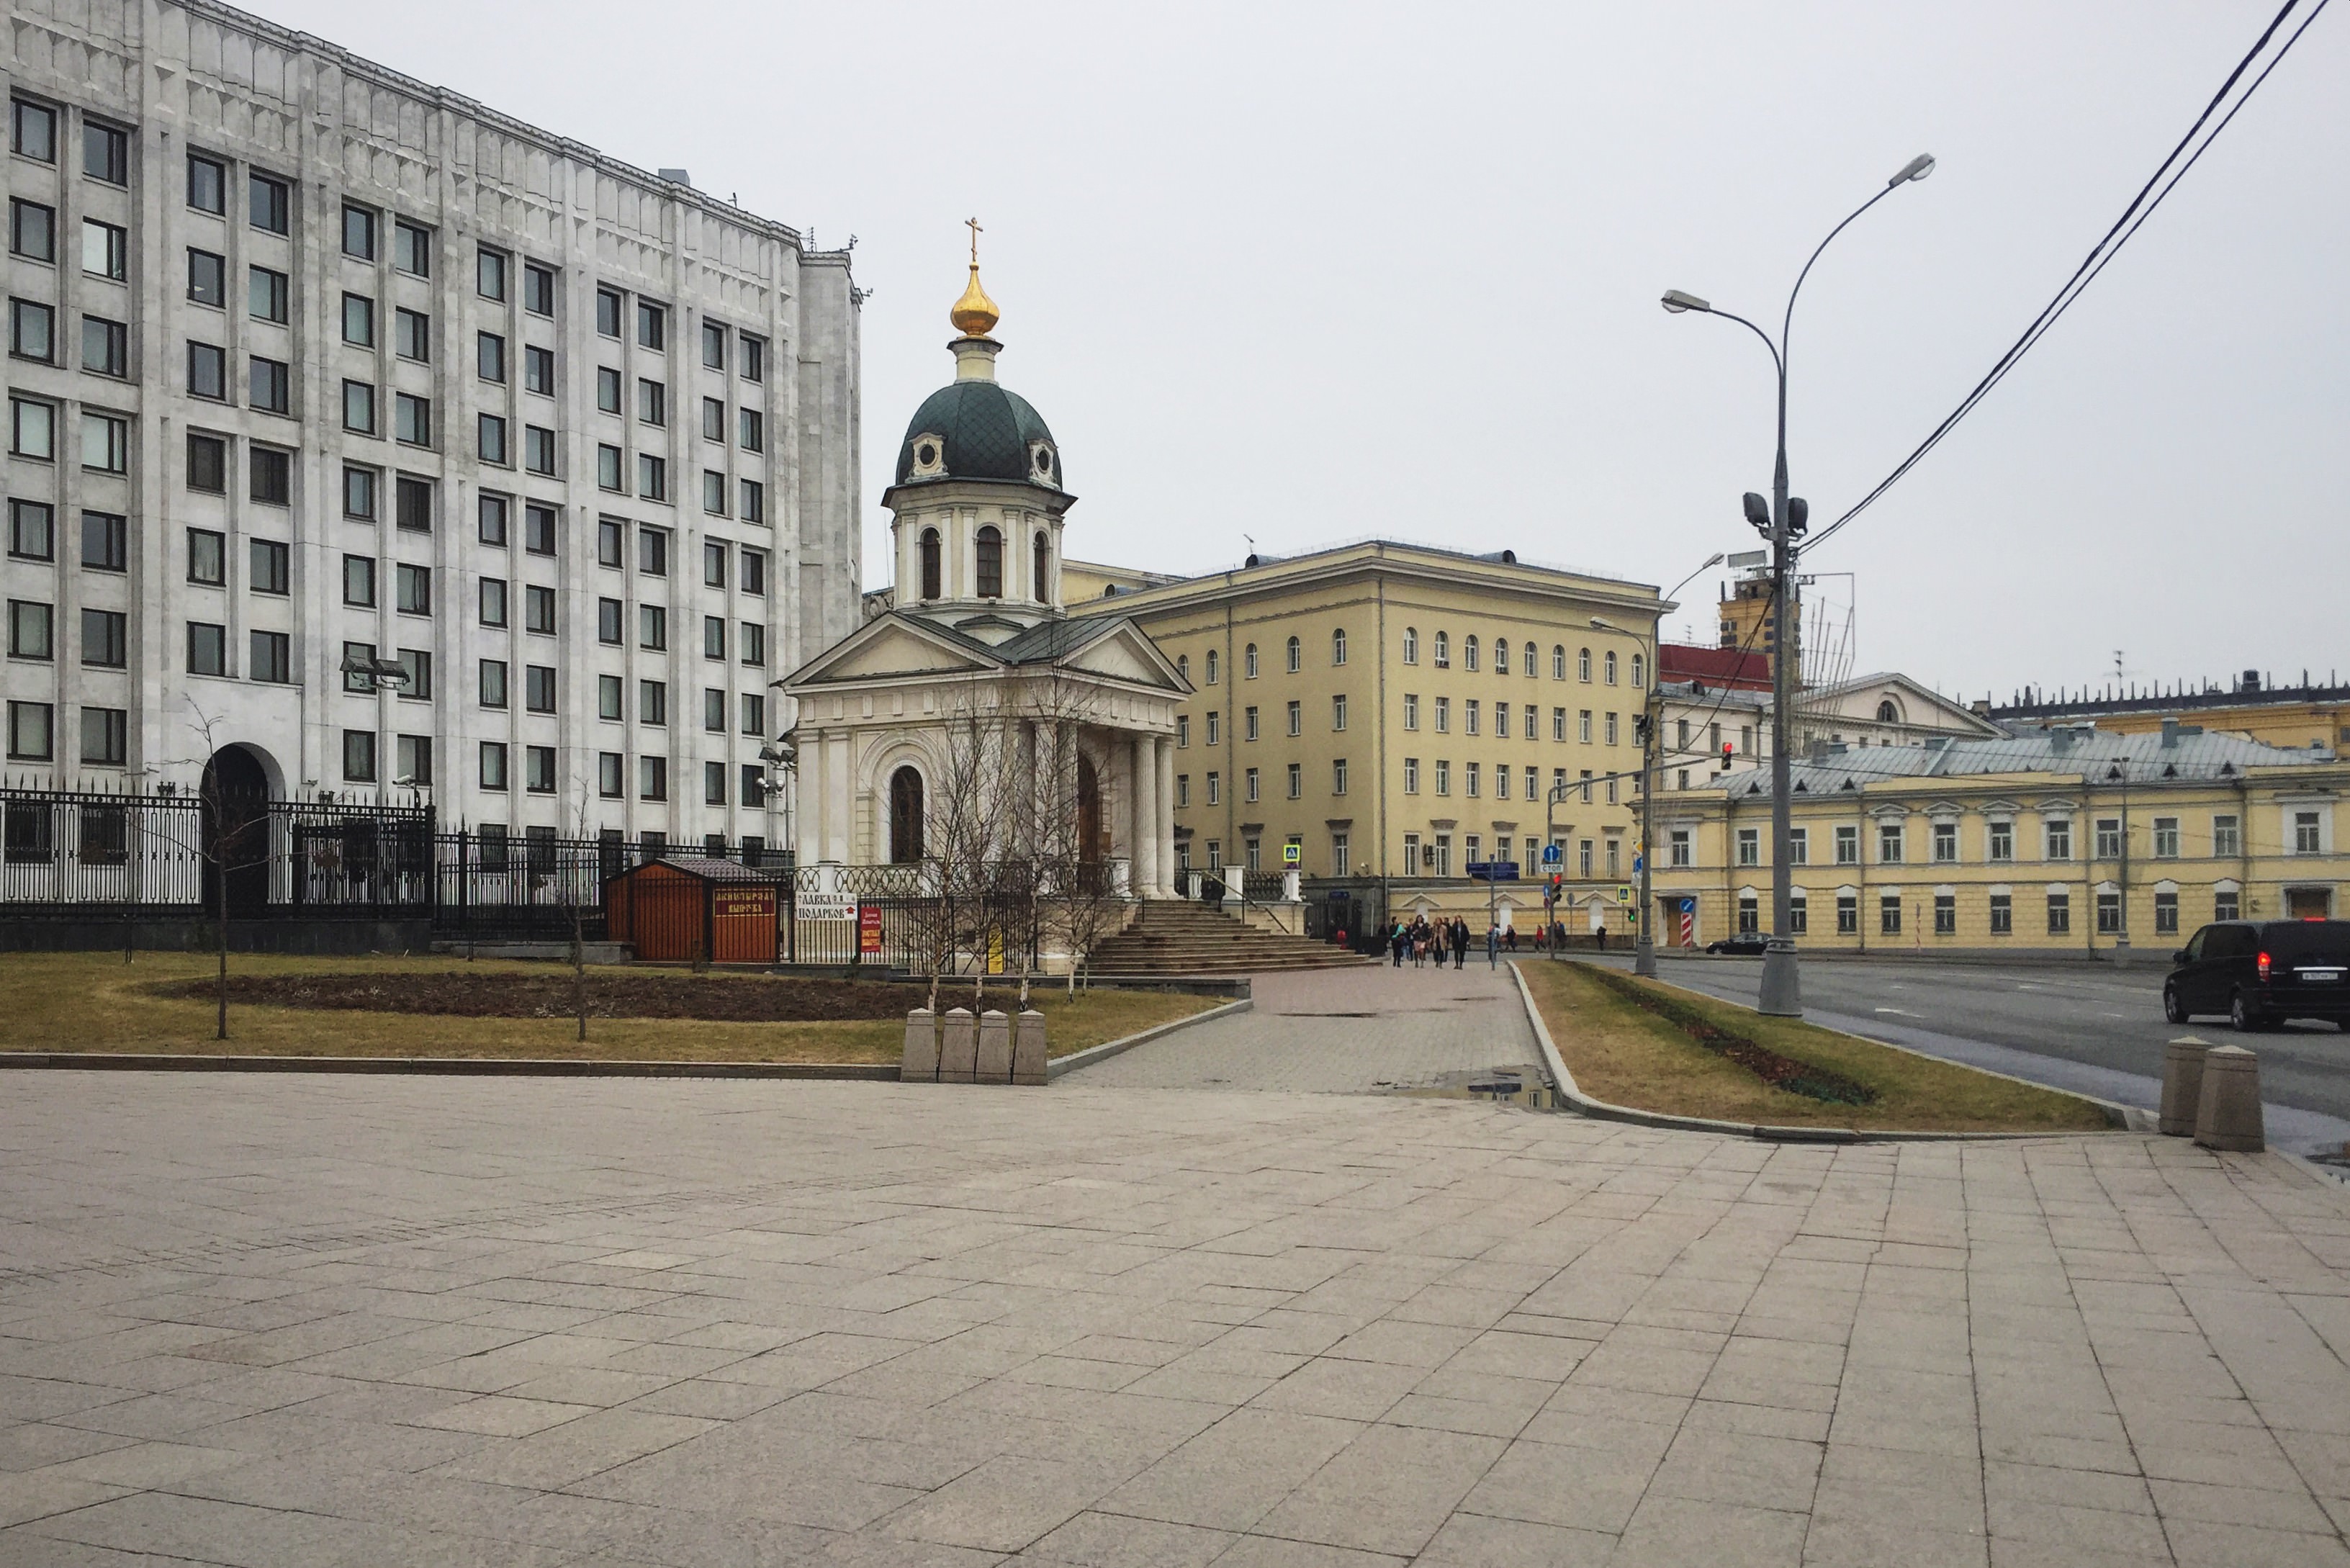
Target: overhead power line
x=2141, y=207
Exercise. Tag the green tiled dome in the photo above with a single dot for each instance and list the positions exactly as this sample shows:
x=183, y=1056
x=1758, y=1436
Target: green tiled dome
x=986, y=432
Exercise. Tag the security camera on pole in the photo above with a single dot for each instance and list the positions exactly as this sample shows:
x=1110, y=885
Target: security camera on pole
x=1783, y=521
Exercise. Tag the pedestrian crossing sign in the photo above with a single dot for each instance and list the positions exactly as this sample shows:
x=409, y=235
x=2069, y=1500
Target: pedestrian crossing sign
x=1291, y=854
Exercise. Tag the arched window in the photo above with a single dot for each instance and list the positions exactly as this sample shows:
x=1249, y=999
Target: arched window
x=1530, y=662
x=1501, y=656
x=1583, y=665
x=1042, y=567
x=1338, y=646
x=1610, y=667
x=1558, y=661
x=1411, y=644
x=930, y=563
x=1211, y=667
x=1443, y=650
x=1184, y=666
x=905, y=816
x=991, y=563
x=1640, y=667
x=1887, y=713
x=1248, y=656
x=1469, y=653
x=1294, y=655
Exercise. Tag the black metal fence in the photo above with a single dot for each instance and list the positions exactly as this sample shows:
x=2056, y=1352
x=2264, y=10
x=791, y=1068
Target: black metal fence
x=76, y=855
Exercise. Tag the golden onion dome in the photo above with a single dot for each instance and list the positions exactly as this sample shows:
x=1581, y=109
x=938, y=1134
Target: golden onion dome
x=974, y=315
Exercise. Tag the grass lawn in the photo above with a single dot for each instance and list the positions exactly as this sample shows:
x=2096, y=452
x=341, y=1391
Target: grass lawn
x=1622, y=1055
x=93, y=1002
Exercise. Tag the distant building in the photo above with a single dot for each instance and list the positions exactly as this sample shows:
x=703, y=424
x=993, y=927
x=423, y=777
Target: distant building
x=1747, y=620
x=2307, y=715
x=2069, y=838
x=1703, y=716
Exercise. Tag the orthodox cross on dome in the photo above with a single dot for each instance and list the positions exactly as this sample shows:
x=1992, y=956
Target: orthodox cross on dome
x=974, y=315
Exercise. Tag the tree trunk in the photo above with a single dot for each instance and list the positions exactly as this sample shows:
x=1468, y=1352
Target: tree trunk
x=579, y=972
x=220, y=927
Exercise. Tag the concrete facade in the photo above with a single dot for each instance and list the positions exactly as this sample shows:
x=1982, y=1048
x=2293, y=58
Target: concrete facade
x=597, y=430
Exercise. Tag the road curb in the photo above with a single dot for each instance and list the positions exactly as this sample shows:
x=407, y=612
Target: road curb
x=1108, y=1048
x=448, y=1067
x=1601, y=1110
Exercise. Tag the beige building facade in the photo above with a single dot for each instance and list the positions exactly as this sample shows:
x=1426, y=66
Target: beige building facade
x=1391, y=714
x=2068, y=840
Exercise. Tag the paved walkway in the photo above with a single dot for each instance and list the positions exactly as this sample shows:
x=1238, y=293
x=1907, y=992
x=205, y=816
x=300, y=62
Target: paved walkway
x=289, y=1321
x=1343, y=1031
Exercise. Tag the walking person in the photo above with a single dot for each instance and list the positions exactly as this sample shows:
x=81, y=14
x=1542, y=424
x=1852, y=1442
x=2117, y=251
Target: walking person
x=1600, y=936
x=1459, y=935
x=1397, y=939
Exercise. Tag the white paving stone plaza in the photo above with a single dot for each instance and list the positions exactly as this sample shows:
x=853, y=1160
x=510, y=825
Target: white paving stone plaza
x=295, y=1321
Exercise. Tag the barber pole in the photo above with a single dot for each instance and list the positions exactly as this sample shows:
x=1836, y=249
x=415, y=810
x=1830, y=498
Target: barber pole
x=1689, y=922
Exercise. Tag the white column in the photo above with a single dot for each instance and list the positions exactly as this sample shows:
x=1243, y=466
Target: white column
x=839, y=804
x=1164, y=752
x=1145, y=768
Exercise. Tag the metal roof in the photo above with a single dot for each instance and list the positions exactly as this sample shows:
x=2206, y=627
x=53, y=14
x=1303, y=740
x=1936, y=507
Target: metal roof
x=2140, y=758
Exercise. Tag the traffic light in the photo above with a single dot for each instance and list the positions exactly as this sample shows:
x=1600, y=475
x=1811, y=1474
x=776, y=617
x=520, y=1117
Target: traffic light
x=1727, y=750
x=1641, y=722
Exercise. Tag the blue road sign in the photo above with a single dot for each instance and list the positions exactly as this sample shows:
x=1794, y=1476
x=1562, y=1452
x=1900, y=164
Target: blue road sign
x=1553, y=855
x=1494, y=870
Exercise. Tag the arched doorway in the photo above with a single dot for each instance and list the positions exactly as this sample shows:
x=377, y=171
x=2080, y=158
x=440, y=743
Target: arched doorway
x=905, y=816
x=1089, y=816
x=235, y=798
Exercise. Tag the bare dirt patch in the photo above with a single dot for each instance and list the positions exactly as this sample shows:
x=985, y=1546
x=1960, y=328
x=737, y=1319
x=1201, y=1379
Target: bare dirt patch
x=712, y=999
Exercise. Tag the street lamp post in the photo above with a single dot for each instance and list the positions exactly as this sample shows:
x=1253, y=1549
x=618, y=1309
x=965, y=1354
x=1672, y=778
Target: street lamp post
x=1644, y=943
x=1783, y=522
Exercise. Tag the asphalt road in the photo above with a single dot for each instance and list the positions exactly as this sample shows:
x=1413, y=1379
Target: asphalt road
x=2097, y=1030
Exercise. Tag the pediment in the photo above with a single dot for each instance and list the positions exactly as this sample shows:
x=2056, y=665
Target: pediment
x=887, y=646
x=1126, y=653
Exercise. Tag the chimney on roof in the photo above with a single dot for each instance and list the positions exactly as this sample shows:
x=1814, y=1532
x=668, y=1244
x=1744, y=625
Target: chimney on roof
x=676, y=176
x=2170, y=734
x=2251, y=681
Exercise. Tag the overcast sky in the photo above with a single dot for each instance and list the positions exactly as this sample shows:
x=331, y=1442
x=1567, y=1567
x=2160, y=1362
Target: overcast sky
x=1310, y=273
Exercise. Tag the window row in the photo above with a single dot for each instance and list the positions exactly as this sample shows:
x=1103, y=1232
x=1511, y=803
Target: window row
x=2227, y=904
x=1474, y=778
x=1440, y=652
x=33, y=736
x=1211, y=666
x=1894, y=841
x=34, y=432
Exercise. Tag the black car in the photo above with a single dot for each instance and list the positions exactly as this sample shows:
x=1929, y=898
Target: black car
x=2262, y=973
x=1745, y=944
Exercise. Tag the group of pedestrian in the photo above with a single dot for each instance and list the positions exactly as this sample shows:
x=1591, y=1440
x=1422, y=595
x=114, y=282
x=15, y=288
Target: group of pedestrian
x=1422, y=940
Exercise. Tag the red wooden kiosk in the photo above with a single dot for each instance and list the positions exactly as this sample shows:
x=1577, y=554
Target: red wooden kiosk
x=677, y=910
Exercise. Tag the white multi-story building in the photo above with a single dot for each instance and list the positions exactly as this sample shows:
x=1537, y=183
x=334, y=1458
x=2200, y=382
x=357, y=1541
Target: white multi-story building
x=311, y=366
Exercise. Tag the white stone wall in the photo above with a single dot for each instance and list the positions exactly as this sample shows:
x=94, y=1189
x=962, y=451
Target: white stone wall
x=194, y=77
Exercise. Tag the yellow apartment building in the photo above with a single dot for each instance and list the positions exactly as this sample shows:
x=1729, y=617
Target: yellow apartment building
x=2069, y=838
x=1395, y=712
x=2305, y=715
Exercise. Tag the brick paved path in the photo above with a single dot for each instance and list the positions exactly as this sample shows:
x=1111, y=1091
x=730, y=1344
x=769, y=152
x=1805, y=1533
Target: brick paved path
x=1344, y=1031
x=295, y=1321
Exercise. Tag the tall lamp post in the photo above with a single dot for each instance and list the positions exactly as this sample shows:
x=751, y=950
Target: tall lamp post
x=1644, y=941
x=1783, y=520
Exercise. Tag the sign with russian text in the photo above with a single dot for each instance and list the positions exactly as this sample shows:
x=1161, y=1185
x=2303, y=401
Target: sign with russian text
x=869, y=930
x=823, y=907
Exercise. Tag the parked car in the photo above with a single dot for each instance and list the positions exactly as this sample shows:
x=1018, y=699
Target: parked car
x=1745, y=944
x=2262, y=973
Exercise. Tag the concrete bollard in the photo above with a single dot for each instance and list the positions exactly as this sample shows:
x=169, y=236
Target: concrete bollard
x=2227, y=1119
x=957, y=1047
x=918, y=1063
x=1029, y=1055
x=2182, y=1084
x=995, y=1049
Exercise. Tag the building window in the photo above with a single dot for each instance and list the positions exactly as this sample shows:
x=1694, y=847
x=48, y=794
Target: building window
x=1750, y=847
x=1848, y=845
x=2166, y=914
x=29, y=633
x=2227, y=836
x=1471, y=716
x=1888, y=843
x=1443, y=776
x=713, y=637
x=1501, y=656
x=1411, y=645
x=358, y=320
x=539, y=610
x=538, y=371
x=32, y=332
x=272, y=656
x=32, y=530
x=1946, y=915
x=1338, y=776
x=2306, y=833
x=1443, y=650
x=411, y=249
x=2109, y=914
x=412, y=504
x=2002, y=834
x=490, y=357
x=413, y=589
x=105, y=742
x=1946, y=842
x=1444, y=715
x=1182, y=730
x=652, y=778
x=32, y=230
x=1248, y=661
x=538, y=770
x=1296, y=780
x=358, y=232
x=494, y=601
x=652, y=551
x=1410, y=711
x=1847, y=914
x=414, y=419
x=2059, y=838
x=1248, y=722
x=2166, y=843
x=2060, y=914
x=1251, y=780
x=417, y=665
x=608, y=775
x=1338, y=646
x=207, y=648
x=489, y=273
x=1469, y=653
x=1338, y=711
x=1680, y=848
x=2109, y=838
x=105, y=346
x=539, y=687
x=652, y=626
x=607, y=314
x=538, y=289
x=1749, y=914
x=2003, y=914
x=411, y=335
x=754, y=358
x=31, y=731
x=713, y=492
x=207, y=558
x=268, y=204
x=207, y=464
x=492, y=673
x=358, y=581
x=105, y=443
x=930, y=563
x=490, y=437
x=989, y=561
x=1183, y=791
x=33, y=130
x=493, y=777
x=1889, y=914
x=358, y=408
x=652, y=476
x=754, y=501
x=2226, y=905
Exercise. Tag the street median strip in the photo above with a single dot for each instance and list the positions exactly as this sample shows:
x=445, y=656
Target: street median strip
x=1780, y=1072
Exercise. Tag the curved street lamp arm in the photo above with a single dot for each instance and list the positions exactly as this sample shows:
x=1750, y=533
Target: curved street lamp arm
x=1776, y=363
x=1787, y=322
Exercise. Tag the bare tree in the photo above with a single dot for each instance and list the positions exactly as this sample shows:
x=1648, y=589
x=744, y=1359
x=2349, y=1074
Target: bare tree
x=967, y=831
x=223, y=850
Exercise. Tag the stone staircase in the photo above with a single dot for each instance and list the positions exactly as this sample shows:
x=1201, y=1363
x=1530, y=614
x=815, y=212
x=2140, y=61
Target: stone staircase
x=1175, y=936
